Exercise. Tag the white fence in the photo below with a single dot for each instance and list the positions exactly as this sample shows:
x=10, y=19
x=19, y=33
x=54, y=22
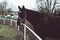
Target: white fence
x=25, y=26
x=9, y=22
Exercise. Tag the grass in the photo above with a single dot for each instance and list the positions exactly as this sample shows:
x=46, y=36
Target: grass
x=7, y=31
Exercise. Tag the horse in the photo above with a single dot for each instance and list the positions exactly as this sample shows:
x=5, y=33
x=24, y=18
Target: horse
x=44, y=25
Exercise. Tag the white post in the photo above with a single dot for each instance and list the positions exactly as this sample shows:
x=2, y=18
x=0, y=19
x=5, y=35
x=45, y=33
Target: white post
x=3, y=21
x=24, y=33
x=18, y=27
x=15, y=23
x=32, y=32
x=11, y=22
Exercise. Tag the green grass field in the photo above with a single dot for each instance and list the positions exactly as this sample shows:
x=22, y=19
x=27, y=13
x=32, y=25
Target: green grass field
x=9, y=33
x=6, y=32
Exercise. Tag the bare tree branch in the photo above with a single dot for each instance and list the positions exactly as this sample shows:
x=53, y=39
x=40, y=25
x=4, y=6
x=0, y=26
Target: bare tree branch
x=54, y=5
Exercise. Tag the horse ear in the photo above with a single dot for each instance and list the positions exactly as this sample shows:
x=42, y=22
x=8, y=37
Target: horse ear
x=19, y=7
x=23, y=7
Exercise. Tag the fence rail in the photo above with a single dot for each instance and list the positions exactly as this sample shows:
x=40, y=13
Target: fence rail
x=25, y=26
x=10, y=22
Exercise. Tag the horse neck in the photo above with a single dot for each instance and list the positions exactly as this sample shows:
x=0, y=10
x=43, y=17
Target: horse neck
x=34, y=18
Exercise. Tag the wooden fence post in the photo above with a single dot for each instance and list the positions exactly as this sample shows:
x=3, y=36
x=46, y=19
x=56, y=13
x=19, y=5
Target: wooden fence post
x=18, y=27
x=11, y=22
x=3, y=21
x=16, y=24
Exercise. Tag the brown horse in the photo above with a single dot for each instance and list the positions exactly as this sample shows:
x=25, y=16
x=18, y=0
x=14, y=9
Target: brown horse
x=44, y=25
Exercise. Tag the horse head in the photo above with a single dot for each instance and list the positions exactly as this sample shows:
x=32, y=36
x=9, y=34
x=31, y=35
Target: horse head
x=22, y=12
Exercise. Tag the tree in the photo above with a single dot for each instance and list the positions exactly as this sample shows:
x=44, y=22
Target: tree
x=47, y=6
x=9, y=10
x=3, y=6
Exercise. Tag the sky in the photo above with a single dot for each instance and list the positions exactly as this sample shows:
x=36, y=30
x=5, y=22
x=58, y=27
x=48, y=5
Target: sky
x=29, y=4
